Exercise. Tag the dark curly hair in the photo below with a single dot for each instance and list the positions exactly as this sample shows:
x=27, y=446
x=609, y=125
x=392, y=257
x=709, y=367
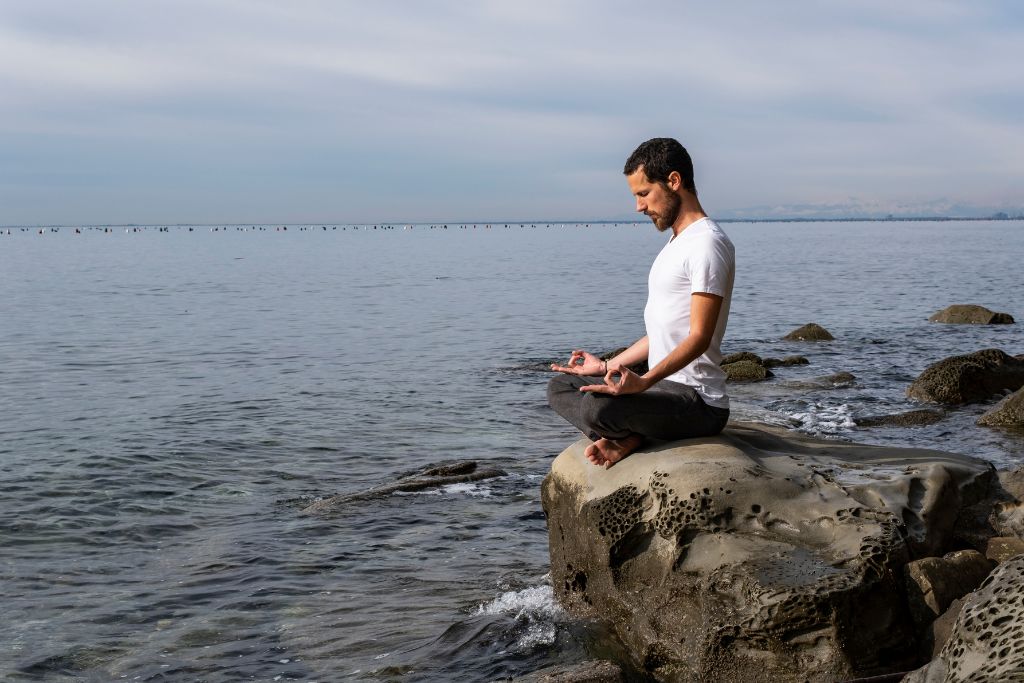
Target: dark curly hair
x=659, y=157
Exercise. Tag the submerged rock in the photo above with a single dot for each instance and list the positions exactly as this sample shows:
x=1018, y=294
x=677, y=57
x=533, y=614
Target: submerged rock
x=809, y=332
x=1007, y=413
x=969, y=314
x=431, y=476
x=910, y=418
x=757, y=554
x=987, y=642
x=599, y=671
x=969, y=378
x=785, y=362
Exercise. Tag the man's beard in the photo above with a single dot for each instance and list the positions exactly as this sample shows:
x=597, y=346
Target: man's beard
x=665, y=221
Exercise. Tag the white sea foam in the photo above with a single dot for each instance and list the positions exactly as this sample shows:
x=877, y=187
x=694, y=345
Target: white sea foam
x=534, y=612
x=468, y=488
x=825, y=420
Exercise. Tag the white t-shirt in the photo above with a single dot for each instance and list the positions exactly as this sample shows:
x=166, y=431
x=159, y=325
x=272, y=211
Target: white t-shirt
x=700, y=259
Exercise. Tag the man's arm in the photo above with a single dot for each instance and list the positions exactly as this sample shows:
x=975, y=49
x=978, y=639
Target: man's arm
x=704, y=310
x=583, y=363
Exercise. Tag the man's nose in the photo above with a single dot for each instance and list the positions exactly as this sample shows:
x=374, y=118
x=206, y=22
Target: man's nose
x=641, y=206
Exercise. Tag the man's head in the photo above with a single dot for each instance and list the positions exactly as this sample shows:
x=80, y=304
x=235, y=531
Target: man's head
x=657, y=172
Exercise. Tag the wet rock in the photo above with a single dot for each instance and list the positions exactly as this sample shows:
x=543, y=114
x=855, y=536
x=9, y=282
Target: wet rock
x=933, y=583
x=1007, y=413
x=1006, y=515
x=809, y=332
x=431, y=476
x=746, y=371
x=910, y=418
x=839, y=378
x=1002, y=548
x=968, y=379
x=755, y=555
x=585, y=672
x=785, y=362
x=970, y=314
x=987, y=642
x=741, y=356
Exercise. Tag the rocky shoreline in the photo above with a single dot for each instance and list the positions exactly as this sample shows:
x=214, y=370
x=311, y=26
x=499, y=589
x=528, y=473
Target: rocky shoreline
x=762, y=554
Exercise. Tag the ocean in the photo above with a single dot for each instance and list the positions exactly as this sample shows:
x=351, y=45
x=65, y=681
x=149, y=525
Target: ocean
x=171, y=398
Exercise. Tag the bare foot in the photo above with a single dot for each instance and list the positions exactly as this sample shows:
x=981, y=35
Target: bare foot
x=607, y=452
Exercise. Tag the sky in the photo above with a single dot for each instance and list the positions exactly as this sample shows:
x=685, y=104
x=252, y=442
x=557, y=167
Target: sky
x=254, y=111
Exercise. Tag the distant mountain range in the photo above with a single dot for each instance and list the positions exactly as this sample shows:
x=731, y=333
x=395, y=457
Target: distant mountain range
x=854, y=209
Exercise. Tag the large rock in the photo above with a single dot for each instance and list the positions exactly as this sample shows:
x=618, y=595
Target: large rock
x=910, y=418
x=987, y=642
x=933, y=583
x=809, y=332
x=968, y=379
x=1007, y=413
x=970, y=314
x=757, y=554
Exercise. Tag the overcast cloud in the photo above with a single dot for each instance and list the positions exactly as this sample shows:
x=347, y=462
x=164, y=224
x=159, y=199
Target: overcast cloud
x=259, y=111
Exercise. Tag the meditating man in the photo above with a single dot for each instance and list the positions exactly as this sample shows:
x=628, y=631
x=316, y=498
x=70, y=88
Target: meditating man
x=689, y=288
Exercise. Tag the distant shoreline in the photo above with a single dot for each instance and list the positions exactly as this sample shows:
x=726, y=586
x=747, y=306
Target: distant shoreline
x=889, y=219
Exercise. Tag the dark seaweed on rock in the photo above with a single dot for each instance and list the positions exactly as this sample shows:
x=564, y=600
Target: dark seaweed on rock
x=969, y=378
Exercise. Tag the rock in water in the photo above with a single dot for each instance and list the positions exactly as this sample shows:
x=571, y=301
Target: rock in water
x=968, y=379
x=986, y=643
x=755, y=555
x=809, y=332
x=910, y=418
x=969, y=314
x=746, y=371
x=431, y=476
x=1007, y=413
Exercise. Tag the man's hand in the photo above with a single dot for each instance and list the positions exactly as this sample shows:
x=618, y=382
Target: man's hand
x=619, y=382
x=581, y=363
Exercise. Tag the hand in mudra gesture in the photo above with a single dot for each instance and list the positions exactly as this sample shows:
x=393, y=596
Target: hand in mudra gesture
x=582, y=363
x=619, y=382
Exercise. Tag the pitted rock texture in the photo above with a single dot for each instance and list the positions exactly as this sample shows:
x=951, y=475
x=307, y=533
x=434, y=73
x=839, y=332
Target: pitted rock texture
x=987, y=642
x=969, y=314
x=809, y=332
x=755, y=555
x=969, y=378
x=1007, y=413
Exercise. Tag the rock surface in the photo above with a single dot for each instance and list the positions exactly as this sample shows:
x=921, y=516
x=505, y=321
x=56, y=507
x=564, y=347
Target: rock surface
x=1007, y=413
x=969, y=314
x=742, y=355
x=1002, y=548
x=969, y=378
x=809, y=332
x=746, y=371
x=784, y=362
x=987, y=642
x=431, y=476
x=911, y=418
x=933, y=583
x=755, y=555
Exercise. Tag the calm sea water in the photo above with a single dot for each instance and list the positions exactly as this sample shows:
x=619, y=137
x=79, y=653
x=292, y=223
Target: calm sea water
x=170, y=400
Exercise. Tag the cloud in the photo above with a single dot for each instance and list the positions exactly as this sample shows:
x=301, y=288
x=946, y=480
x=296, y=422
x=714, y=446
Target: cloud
x=531, y=105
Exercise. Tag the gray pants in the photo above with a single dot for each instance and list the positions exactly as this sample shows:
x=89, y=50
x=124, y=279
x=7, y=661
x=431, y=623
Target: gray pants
x=667, y=411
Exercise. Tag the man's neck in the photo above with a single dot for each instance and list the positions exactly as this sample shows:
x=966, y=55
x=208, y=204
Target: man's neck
x=687, y=217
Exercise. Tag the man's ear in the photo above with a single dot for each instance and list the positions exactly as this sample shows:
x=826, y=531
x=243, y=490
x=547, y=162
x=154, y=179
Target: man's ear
x=675, y=181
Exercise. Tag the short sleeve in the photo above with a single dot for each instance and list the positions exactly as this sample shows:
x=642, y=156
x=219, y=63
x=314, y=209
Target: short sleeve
x=711, y=266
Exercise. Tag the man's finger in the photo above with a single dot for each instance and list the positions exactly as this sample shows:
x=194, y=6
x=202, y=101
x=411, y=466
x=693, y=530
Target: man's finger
x=597, y=388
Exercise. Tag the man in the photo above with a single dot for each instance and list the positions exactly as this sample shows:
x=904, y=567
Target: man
x=689, y=290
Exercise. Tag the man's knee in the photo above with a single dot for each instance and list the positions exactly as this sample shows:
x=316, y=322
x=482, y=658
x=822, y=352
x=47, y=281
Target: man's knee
x=559, y=385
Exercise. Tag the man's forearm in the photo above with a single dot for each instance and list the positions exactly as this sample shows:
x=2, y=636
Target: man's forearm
x=636, y=352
